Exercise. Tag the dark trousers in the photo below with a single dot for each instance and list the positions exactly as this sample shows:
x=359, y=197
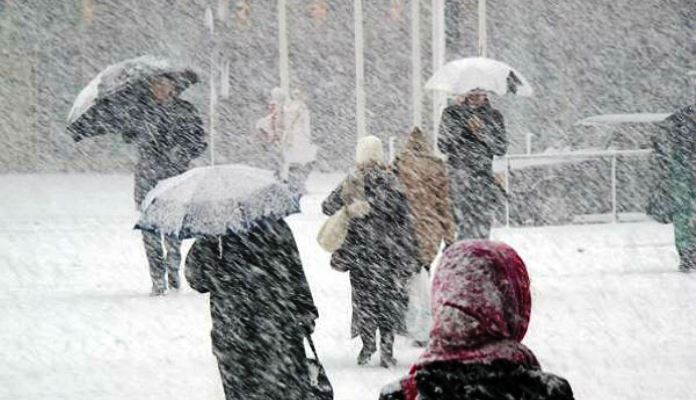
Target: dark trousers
x=473, y=201
x=386, y=341
x=159, y=261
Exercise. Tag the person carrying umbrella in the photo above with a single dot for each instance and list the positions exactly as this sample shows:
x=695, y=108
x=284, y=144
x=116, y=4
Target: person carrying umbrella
x=471, y=133
x=138, y=98
x=246, y=257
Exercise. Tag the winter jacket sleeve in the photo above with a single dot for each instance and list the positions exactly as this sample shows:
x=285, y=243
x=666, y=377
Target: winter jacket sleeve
x=199, y=264
x=300, y=291
x=334, y=202
x=447, y=131
x=190, y=133
x=496, y=138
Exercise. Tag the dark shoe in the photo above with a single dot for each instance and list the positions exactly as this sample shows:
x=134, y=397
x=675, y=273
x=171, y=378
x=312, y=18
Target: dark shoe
x=387, y=361
x=685, y=268
x=419, y=343
x=159, y=287
x=364, y=356
x=174, y=280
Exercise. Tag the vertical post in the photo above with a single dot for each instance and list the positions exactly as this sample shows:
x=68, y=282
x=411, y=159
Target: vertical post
x=284, y=62
x=210, y=23
x=359, y=69
x=614, y=214
x=416, y=64
x=438, y=60
x=392, y=149
x=529, y=142
x=507, y=191
x=482, y=29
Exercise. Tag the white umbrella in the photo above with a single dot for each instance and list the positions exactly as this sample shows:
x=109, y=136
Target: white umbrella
x=215, y=200
x=466, y=74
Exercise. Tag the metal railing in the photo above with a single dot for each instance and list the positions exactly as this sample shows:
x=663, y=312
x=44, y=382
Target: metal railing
x=613, y=154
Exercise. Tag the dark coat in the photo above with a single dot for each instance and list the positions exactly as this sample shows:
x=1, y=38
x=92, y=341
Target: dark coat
x=682, y=177
x=261, y=308
x=379, y=250
x=474, y=192
x=499, y=380
x=168, y=136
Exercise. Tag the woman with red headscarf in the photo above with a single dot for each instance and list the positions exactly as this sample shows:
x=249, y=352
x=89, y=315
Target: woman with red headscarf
x=481, y=304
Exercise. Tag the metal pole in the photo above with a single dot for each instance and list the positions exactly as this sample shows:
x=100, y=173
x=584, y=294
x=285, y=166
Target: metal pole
x=438, y=60
x=614, y=213
x=416, y=64
x=507, y=192
x=359, y=70
x=210, y=23
x=483, y=48
x=284, y=63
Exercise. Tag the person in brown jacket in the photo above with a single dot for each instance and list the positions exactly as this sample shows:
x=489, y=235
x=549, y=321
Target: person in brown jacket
x=424, y=179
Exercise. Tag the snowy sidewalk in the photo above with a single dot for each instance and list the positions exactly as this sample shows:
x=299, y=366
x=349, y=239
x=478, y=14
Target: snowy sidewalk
x=609, y=311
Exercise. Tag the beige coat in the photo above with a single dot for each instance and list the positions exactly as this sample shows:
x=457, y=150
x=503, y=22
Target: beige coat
x=424, y=180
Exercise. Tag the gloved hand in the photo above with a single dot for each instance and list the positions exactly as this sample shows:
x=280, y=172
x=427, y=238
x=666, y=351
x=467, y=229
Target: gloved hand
x=307, y=326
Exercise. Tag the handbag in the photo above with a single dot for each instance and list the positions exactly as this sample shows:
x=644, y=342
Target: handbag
x=318, y=380
x=334, y=230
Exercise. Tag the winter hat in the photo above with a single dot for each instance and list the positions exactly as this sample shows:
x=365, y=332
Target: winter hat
x=369, y=149
x=481, y=306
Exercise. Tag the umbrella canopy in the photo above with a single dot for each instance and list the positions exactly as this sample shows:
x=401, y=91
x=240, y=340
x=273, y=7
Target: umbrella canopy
x=466, y=74
x=102, y=104
x=215, y=200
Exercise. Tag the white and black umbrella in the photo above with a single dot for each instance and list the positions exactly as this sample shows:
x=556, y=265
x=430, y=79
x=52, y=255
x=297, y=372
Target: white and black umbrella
x=216, y=200
x=466, y=74
x=103, y=104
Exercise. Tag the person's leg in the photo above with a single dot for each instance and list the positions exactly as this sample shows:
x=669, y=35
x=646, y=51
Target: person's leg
x=155, y=259
x=369, y=346
x=386, y=348
x=173, y=261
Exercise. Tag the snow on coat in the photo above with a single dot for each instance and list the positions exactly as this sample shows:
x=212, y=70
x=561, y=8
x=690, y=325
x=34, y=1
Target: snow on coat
x=261, y=308
x=481, y=305
x=424, y=179
x=378, y=250
x=470, y=147
x=168, y=136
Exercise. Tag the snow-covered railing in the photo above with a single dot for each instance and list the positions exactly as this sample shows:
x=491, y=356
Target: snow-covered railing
x=548, y=158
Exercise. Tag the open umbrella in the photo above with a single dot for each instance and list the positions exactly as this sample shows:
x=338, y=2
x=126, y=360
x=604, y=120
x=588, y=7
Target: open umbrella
x=104, y=103
x=215, y=200
x=466, y=74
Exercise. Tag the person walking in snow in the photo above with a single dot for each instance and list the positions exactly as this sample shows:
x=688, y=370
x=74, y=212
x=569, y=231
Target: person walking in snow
x=168, y=133
x=424, y=179
x=299, y=153
x=261, y=307
x=471, y=133
x=681, y=133
x=481, y=309
x=378, y=250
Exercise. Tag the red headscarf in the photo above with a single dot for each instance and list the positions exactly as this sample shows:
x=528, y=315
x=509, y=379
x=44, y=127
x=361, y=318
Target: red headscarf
x=481, y=304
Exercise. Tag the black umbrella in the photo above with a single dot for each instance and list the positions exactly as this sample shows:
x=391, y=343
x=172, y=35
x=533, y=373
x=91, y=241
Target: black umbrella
x=106, y=102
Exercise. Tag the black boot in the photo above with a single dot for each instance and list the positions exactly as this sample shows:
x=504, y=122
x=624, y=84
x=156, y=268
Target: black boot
x=386, y=349
x=368, y=349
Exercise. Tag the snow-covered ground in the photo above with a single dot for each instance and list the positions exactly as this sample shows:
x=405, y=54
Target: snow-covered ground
x=611, y=314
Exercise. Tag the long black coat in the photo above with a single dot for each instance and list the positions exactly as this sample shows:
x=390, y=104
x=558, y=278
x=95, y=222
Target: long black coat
x=380, y=250
x=168, y=136
x=261, y=308
x=499, y=380
x=473, y=190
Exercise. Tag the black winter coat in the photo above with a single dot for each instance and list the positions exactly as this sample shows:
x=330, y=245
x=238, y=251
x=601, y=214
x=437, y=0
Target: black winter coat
x=500, y=380
x=380, y=251
x=168, y=136
x=261, y=308
x=467, y=150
